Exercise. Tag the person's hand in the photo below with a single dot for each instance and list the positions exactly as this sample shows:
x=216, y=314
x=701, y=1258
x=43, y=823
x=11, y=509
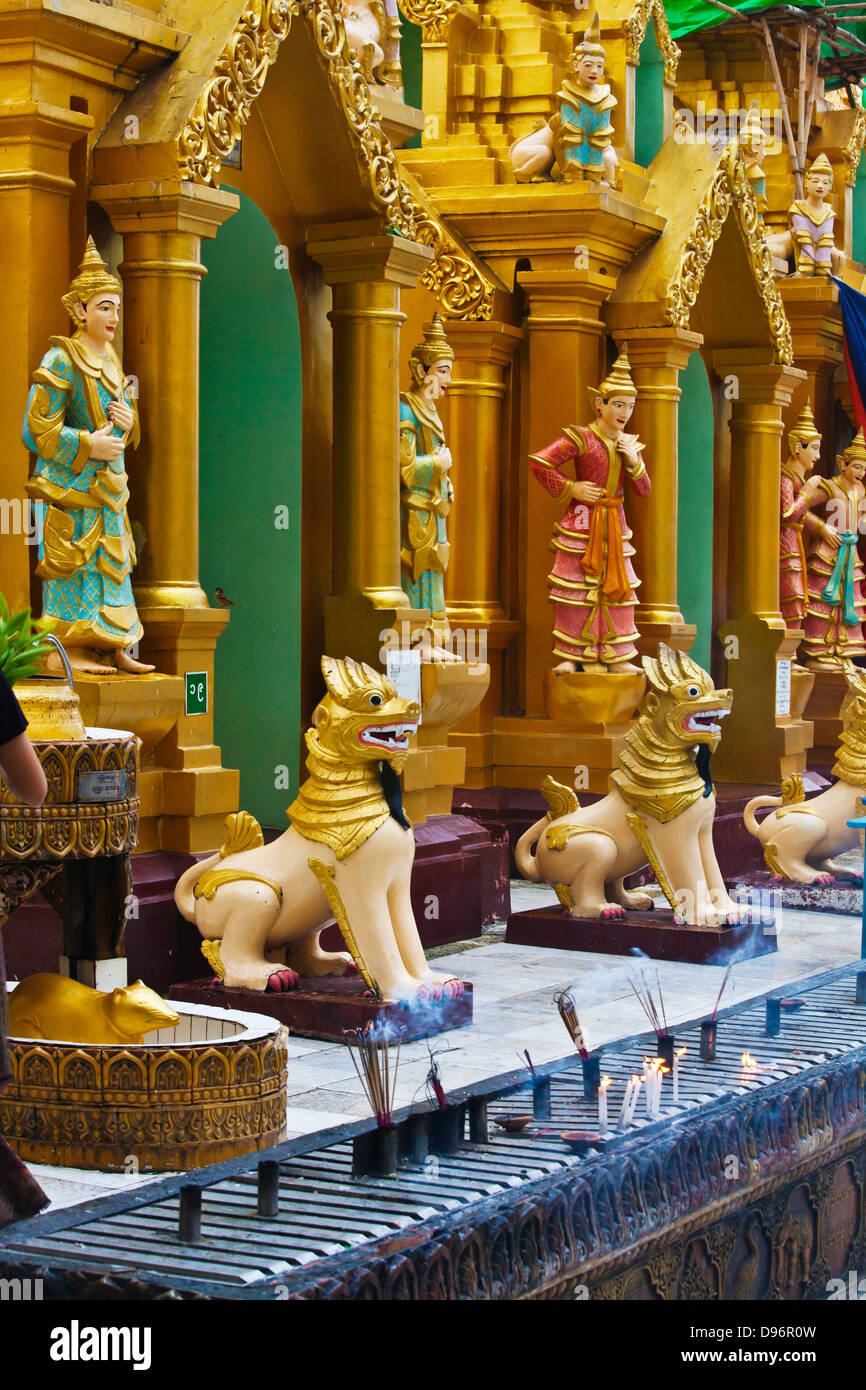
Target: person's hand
x=631, y=448
x=105, y=445
x=120, y=414
x=444, y=457
x=832, y=538
x=586, y=492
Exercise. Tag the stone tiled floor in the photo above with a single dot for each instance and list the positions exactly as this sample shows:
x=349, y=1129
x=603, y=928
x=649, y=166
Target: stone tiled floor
x=514, y=1010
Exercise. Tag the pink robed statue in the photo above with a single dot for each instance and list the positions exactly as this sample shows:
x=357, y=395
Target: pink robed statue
x=593, y=583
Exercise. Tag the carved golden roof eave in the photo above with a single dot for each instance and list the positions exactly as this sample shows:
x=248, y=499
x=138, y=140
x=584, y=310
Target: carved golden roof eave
x=698, y=193
x=463, y=286
x=730, y=191
x=224, y=104
x=636, y=26
x=853, y=148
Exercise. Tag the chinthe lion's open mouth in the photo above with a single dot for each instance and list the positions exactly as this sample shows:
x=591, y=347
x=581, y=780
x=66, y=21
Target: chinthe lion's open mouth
x=394, y=737
x=705, y=721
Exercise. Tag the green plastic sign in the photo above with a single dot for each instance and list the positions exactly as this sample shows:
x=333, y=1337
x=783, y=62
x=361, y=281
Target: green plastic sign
x=196, y=692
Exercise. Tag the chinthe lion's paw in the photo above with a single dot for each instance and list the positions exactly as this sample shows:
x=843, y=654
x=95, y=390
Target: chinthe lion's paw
x=452, y=989
x=282, y=981
x=613, y=912
x=822, y=881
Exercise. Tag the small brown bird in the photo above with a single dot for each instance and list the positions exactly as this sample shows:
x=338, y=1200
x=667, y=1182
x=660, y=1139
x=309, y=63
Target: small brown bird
x=223, y=599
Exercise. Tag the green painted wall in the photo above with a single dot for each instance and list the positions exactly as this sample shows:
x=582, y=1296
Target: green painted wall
x=695, y=505
x=250, y=465
x=858, y=216
x=649, y=100
x=411, y=61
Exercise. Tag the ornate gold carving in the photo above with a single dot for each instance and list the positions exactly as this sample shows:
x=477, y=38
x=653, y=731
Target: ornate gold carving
x=792, y=789
x=638, y=826
x=850, y=764
x=435, y=17
x=852, y=151
x=730, y=191
x=636, y=27
x=461, y=288
x=325, y=875
x=212, y=879
x=172, y=1105
x=223, y=107
x=561, y=799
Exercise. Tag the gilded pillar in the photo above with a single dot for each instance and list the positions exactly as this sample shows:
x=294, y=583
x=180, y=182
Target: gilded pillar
x=35, y=193
x=657, y=357
x=762, y=739
x=162, y=226
x=812, y=307
x=476, y=414
x=366, y=271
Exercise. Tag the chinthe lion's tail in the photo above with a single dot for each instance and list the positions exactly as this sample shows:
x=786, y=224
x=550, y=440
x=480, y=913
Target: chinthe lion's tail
x=243, y=832
x=755, y=805
x=523, y=851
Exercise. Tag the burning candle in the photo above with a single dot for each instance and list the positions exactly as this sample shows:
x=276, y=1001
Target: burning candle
x=602, y=1104
x=677, y=1056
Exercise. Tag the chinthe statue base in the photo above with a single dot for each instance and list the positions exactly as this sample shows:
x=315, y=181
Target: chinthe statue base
x=843, y=895
x=655, y=934
x=323, y=1007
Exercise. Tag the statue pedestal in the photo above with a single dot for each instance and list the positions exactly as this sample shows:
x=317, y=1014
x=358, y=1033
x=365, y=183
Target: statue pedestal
x=450, y=691
x=323, y=1007
x=653, y=933
x=825, y=710
x=579, y=743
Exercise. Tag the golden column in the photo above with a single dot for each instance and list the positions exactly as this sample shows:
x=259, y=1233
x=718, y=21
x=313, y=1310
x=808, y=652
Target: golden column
x=162, y=224
x=657, y=357
x=35, y=192
x=366, y=270
x=763, y=739
x=473, y=584
x=812, y=307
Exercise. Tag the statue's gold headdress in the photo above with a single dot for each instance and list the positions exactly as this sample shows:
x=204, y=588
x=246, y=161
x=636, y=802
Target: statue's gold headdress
x=591, y=45
x=752, y=130
x=93, y=278
x=434, y=347
x=618, y=381
x=856, y=450
x=804, y=432
x=820, y=165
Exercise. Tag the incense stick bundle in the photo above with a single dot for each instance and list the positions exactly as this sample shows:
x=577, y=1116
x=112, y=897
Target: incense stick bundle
x=655, y=1011
x=564, y=1001
x=370, y=1052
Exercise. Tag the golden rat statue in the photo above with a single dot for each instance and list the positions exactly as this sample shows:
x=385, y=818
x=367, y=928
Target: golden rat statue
x=659, y=809
x=63, y=1010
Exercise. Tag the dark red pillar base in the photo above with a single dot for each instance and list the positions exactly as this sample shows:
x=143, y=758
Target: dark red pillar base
x=653, y=933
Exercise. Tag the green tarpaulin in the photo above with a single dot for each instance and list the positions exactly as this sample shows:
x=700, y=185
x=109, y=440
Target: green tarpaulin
x=685, y=16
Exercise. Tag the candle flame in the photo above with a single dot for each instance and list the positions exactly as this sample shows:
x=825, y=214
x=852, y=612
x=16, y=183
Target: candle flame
x=604, y=1082
x=681, y=1051
x=749, y=1062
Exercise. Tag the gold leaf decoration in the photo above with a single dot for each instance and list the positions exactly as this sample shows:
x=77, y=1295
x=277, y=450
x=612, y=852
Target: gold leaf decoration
x=454, y=276
x=729, y=191
x=852, y=151
x=223, y=107
x=434, y=17
x=636, y=27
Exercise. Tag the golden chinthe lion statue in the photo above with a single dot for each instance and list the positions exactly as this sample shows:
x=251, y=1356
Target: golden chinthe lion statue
x=659, y=810
x=347, y=856
x=800, y=831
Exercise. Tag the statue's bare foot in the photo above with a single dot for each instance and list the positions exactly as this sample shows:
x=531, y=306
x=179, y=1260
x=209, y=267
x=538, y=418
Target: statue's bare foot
x=84, y=659
x=566, y=667
x=281, y=981
x=624, y=666
x=124, y=662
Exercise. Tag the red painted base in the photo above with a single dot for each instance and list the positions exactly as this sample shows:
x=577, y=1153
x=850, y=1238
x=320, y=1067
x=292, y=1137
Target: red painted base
x=653, y=933
x=322, y=1008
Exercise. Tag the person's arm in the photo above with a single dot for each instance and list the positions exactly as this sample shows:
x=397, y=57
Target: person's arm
x=22, y=771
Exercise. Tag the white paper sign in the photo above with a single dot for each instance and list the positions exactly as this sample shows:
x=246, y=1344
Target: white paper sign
x=404, y=670
x=783, y=687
